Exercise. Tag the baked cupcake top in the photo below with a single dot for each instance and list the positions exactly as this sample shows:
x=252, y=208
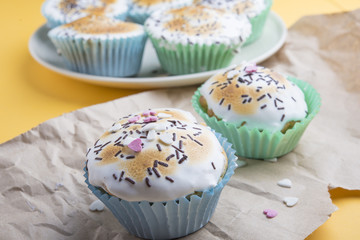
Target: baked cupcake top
x=251, y=8
x=67, y=11
x=156, y=155
x=149, y=6
x=198, y=25
x=254, y=96
x=98, y=25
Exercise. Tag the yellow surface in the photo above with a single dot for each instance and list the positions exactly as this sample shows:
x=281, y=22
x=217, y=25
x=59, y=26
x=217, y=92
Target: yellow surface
x=31, y=94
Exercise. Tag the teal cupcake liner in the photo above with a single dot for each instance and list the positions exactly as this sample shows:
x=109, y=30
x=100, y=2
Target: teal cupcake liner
x=178, y=59
x=263, y=144
x=258, y=23
x=170, y=219
x=114, y=57
x=137, y=17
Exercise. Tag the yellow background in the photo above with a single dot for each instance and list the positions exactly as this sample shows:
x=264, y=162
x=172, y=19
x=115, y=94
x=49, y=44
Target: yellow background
x=31, y=94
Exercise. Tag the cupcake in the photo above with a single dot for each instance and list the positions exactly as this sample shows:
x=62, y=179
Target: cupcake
x=256, y=10
x=59, y=12
x=99, y=45
x=263, y=113
x=196, y=38
x=140, y=10
x=159, y=172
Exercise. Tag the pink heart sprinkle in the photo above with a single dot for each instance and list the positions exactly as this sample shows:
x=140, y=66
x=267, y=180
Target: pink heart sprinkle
x=152, y=113
x=134, y=119
x=270, y=213
x=251, y=68
x=153, y=119
x=150, y=119
x=146, y=113
x=135, y=145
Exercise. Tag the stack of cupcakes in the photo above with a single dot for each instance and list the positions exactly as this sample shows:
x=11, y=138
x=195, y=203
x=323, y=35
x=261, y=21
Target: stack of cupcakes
x=187, y=38
x=159, y=172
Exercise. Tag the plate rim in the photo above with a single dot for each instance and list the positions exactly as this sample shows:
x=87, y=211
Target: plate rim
x=149, y=82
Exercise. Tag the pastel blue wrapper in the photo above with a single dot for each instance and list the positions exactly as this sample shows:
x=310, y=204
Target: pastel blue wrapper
x=170, y=219
x=139, y=18
x=113, y=57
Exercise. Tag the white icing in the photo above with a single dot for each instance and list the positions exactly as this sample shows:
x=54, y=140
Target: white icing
x=290, y=103
x=80, y=9
x=66, y=31
x=194, y=173
x=257, y=6
x=230, y=29
x=136, y=8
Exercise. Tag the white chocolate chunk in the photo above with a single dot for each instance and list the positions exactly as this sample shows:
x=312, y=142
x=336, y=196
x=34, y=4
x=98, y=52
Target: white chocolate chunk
x=285, y=183
x=149, y=127
x=151, y=135
x=290, y=201
x=166, y=138
x=160, y=127
x=96, y=205
x=164, y=115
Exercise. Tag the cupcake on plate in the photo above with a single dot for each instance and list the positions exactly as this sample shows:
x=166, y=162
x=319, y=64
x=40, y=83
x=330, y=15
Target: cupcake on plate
x=140, y=10
x=102, y=46
x=262, y=112
x=59, y=12
x=196, y=38
x=159, y=172
x=256, y=10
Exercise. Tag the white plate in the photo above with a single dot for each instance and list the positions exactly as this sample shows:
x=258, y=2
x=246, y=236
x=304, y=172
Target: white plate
x=151, y=74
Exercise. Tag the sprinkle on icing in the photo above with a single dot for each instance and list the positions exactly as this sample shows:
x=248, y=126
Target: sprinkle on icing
x=255, y=96
x=250, y=7
x=66, y=11
x=177, y=160
x=198, y=25
x=101, y=25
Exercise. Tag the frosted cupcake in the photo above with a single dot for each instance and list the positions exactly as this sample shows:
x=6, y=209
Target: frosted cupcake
x=256, y=10
x=196, y=38
x=59, y=12
x=140, y=10
x=159, y=172
x=99, y=45
x=262, y=112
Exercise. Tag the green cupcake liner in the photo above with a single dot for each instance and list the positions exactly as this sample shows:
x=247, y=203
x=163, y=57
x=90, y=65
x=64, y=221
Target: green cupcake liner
x=254, y=143
x=258, y=23
x=179, y=59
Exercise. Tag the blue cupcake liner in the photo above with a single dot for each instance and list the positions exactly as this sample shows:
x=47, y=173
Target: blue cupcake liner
x=52, y=22
x=170, y=219
x=139, y=18
x=113, y=57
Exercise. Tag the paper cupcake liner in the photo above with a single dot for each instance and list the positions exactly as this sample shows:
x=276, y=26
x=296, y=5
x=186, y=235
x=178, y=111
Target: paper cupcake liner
x=170, y=219
x=115, y=57
x=254, y=143
x=258, y=23
x=180, y=59
x=136, y=17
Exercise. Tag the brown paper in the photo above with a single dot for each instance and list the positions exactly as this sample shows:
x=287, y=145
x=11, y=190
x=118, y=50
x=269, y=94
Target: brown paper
x=43, y=194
